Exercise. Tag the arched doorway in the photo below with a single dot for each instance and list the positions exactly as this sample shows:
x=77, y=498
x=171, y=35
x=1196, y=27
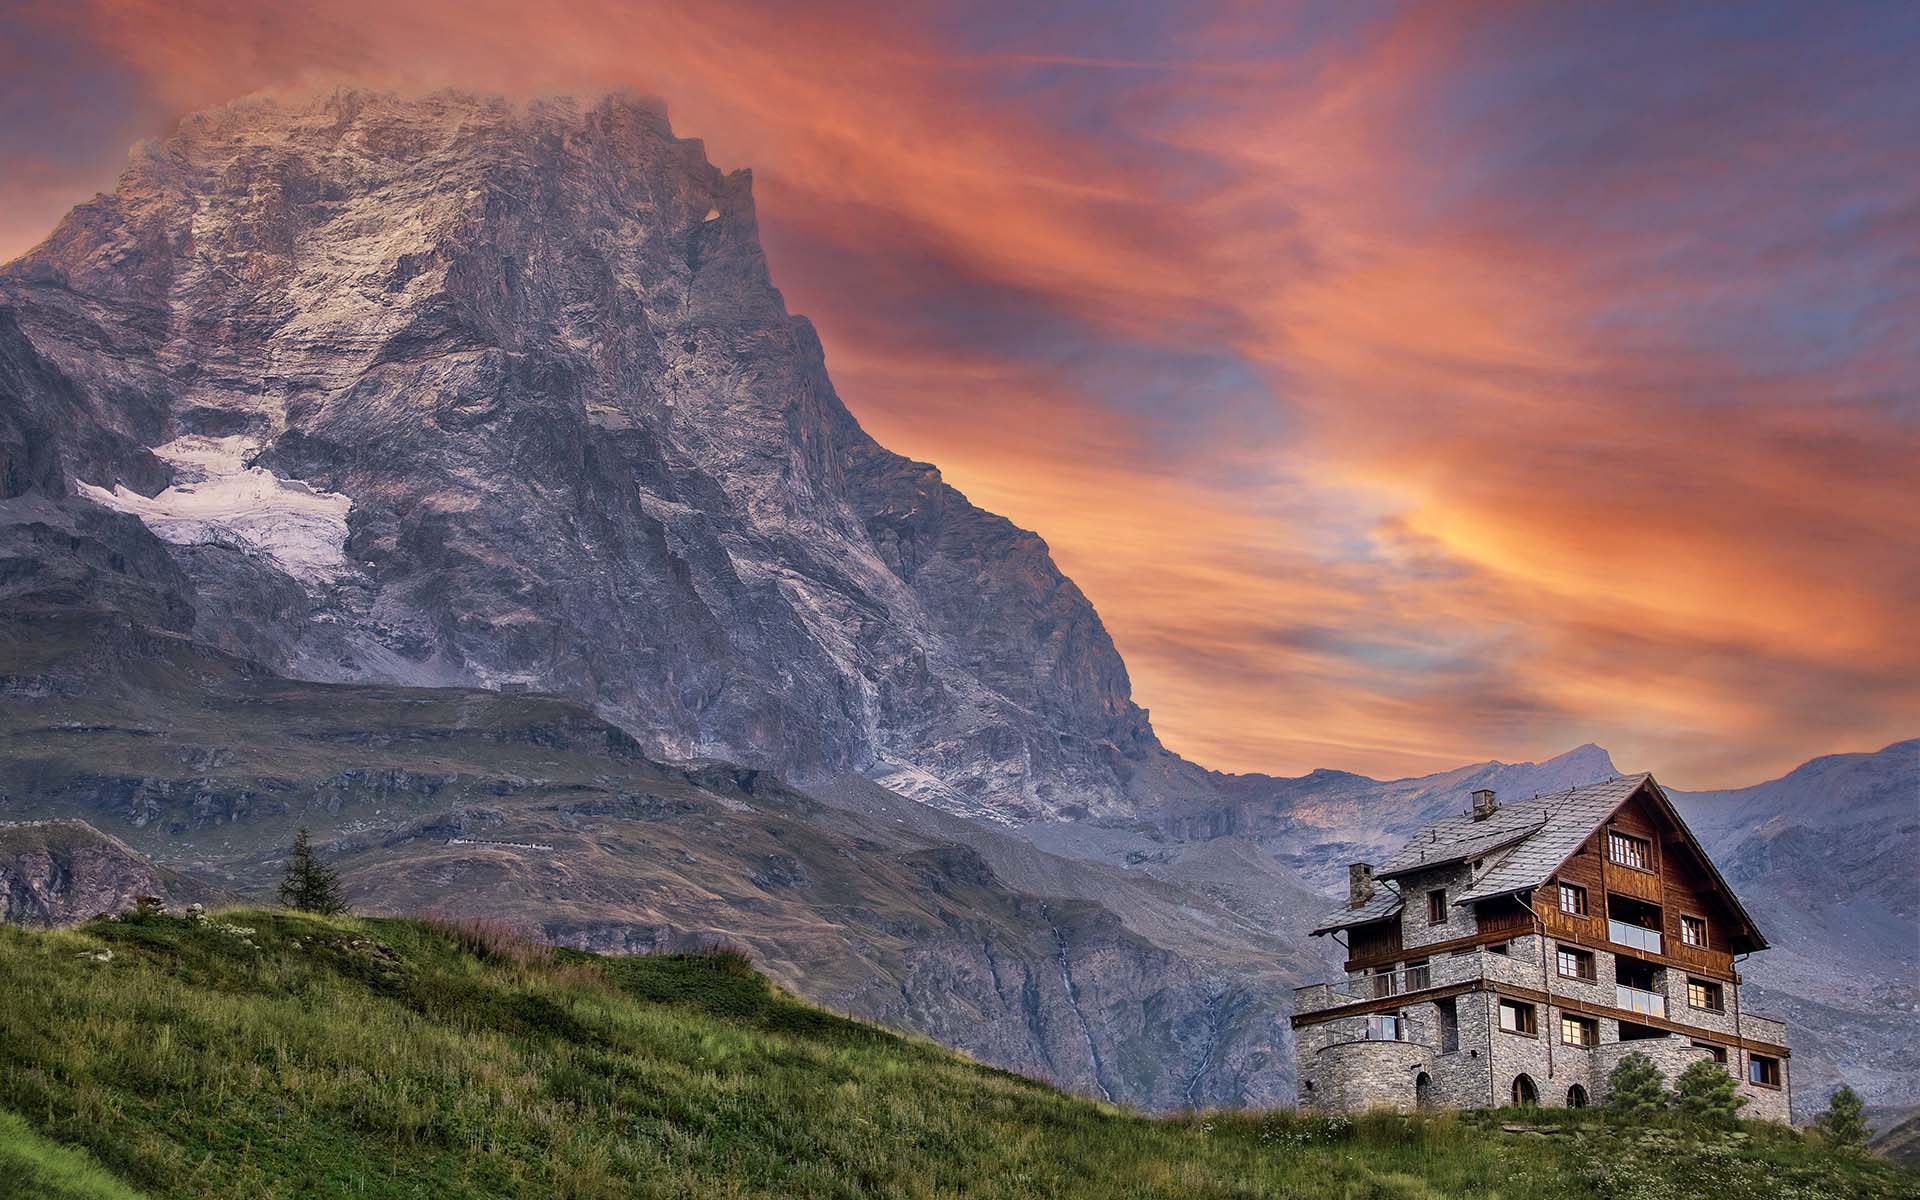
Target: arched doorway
x=1576, y=1097
x=1524, y=1093
x=1423, y=1091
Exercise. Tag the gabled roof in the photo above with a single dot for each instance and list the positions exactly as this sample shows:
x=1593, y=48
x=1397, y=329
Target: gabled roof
x=1526, y=842
x=1459, y=838
x=1563, y=821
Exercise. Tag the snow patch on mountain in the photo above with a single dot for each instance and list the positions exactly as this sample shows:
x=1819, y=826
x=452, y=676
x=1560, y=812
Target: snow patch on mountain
x=221, y=499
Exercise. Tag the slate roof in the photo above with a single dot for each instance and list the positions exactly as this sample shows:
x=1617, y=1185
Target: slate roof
x=1459, y=838
x=1385, y=903
x=1566, y=819
x=1527, y=839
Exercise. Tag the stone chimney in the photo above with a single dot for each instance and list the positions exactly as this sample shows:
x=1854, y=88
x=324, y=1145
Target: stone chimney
x=1484, y=804
x=1359, y=884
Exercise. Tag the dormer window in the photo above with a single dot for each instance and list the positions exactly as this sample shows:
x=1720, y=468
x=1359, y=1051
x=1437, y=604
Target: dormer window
x=1629, y=851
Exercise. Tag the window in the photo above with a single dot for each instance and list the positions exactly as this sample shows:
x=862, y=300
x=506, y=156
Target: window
x=1437, y=906
x=1763, y=1071
x=1449, y=1025
x=1573, y=900
x=1575, y=964
x=1704, y=994
x=1579, y=1031
x=1385, y=1027
x=1693, y=931
x=1518, y=1018
x=1418, y=976
x=1498, y=947
x=1383, y=980
x=1716, y=1053
x=1629, y=851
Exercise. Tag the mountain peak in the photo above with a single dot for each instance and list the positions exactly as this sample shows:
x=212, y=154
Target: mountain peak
x=524, y=371
x=1586, y=757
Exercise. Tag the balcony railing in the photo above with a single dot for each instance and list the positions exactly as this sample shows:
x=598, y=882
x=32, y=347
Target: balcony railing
x=1639, y=1000
x=1441, y=972
x=1623, y=934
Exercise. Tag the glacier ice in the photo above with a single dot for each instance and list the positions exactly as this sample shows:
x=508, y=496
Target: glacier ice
x=221, y=499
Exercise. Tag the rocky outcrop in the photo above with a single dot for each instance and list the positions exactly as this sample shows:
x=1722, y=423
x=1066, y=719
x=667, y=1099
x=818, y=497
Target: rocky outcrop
x=63, y=872
x=448, y=391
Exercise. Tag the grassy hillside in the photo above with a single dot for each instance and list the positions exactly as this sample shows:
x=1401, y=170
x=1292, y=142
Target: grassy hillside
x=265, y=1054
x=533, y=809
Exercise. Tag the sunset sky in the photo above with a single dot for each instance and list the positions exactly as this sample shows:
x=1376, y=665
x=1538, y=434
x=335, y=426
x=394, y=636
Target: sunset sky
x=1406, y=385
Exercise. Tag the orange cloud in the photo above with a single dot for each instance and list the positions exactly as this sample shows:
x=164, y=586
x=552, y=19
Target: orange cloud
x=1460, y=384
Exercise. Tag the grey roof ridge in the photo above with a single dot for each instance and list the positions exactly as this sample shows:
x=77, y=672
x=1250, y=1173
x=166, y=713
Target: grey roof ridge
x=1334, y=920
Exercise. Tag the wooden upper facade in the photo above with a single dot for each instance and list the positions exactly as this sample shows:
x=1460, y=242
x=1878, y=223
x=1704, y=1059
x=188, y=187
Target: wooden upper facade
x=1701, y=925
x=1634, y=881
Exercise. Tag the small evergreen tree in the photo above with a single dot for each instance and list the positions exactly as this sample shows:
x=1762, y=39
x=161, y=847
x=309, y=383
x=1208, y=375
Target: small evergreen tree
x=1635, y=1088
x=1842, y=1124
x=1705, y=1093
x=310, y=885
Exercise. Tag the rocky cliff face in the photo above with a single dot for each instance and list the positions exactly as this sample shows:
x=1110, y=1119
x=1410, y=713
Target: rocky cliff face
x=447, y=391
x=59, y=872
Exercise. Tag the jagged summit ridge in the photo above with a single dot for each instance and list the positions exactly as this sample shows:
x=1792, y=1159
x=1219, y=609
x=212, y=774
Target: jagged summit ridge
x=581, y=444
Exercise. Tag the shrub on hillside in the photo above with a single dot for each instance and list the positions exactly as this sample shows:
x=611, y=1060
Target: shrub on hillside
x=310, y=885
x=1705, y=1093
x=1635, y=1088
x=1842, y=1124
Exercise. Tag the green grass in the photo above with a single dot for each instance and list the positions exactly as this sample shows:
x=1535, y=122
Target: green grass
x=267, y=1054
x=30, y=1165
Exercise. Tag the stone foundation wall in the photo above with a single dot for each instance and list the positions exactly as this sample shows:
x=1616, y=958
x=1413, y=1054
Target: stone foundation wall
x=1350, y=1074
x=1357, y=1076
